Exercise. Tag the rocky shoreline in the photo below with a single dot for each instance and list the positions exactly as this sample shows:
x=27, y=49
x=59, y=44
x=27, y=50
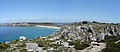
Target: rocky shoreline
x=77, y=37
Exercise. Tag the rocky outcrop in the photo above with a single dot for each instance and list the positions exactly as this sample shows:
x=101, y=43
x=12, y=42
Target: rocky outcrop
x=94, y=32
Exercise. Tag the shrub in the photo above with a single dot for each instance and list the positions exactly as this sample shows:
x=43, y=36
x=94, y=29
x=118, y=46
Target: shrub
x=4, y=46
x=111, y=49
x=81, y=46
x=71, y=43
x=40, y=45
x=23, y=50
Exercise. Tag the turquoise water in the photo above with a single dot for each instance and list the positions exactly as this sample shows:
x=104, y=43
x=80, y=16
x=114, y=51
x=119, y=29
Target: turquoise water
x=8, y=33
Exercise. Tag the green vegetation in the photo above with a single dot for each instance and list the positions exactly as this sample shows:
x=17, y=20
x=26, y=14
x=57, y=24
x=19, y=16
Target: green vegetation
x=23, y=45
x=79, y=46
x=14, y=41
x=40, y=45
x=94, y=23
x=46, y=43
x=57, y=51
x=23, y=50
x=111, y=46
x=74, y=42
x=4, y=46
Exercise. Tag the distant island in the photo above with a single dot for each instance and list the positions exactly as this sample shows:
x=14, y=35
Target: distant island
x=83, y=36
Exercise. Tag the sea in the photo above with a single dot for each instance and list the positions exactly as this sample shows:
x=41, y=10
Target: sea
x=9, y=33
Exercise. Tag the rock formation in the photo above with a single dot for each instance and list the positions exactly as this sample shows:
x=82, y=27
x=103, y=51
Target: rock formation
x=91, y=31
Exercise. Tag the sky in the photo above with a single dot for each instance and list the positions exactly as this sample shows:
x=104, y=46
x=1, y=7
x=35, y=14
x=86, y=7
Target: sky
x=59, y=11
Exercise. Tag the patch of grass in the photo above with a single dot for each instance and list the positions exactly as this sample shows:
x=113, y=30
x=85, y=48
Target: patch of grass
x=23, y=45
x=81, y=46
x=111, y=46
x=23, y=50
x=111, y=49
x=4, y=46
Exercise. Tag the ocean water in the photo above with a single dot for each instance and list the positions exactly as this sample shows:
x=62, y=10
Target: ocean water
x=8, y=33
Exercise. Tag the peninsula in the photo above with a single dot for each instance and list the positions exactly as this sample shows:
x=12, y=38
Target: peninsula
x=35, y=24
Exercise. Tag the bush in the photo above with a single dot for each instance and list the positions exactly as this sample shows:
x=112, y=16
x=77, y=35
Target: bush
x=71, y=43
x=111, y=46
x=4, y=46
x=40, y=45
x=81, y=46
x=85, y=22
x=23, y=45
x=23, y=50
x=111, y=49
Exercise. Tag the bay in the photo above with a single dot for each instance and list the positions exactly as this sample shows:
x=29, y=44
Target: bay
x=8, y=33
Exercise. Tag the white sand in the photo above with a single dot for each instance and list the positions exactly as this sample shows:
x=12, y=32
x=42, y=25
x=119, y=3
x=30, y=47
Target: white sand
x=47, y=26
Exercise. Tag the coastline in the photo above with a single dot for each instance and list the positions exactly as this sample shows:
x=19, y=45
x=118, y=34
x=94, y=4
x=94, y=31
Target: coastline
x=53, y=27
x=47, y=26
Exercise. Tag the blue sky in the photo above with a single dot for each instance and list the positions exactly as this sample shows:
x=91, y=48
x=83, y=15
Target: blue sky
x=59, y=10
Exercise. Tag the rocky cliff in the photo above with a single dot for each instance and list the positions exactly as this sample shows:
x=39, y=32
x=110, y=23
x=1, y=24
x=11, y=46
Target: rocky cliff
x=88, y=31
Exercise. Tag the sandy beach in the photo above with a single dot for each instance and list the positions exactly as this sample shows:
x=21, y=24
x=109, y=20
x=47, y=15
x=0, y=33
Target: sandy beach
x=47, y=26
